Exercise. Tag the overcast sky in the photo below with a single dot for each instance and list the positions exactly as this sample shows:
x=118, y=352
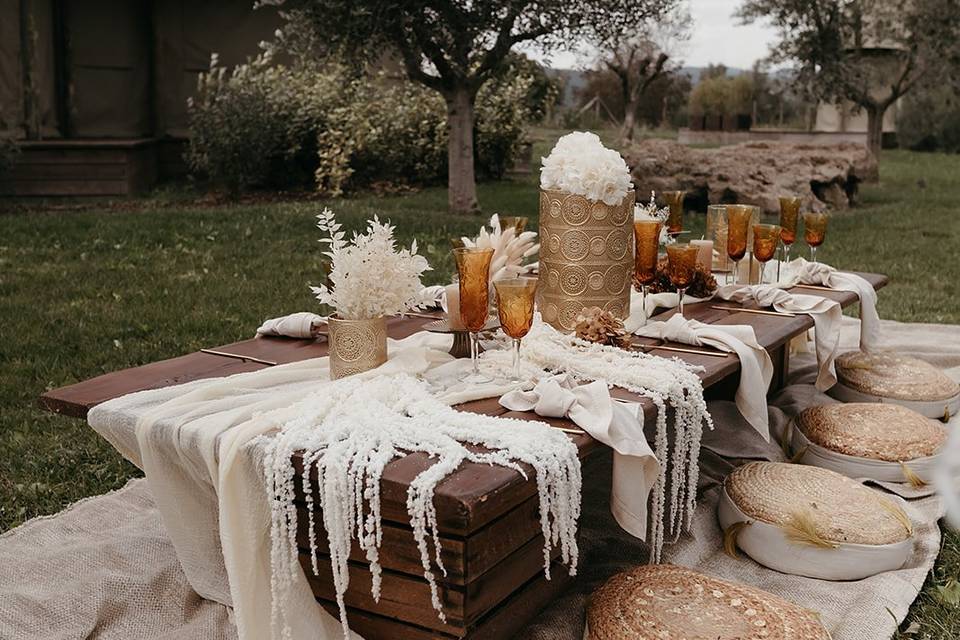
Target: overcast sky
x=717, y=37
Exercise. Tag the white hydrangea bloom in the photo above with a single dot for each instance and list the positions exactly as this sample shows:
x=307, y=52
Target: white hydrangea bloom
x=580, y=164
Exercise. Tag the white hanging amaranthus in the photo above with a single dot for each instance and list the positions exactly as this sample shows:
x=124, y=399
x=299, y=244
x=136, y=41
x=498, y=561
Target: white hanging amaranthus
x=350, y=429
x=660, y=379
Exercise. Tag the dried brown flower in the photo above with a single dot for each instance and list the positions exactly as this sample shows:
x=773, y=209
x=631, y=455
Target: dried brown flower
x=596, y=325
x=702, y=286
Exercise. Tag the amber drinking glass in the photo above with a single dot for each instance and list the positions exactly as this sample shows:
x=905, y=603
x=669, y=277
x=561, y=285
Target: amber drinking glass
x=766, y=238
x=473, y=268
x=674, y=199
x=515, y=299
x=681, y=265
x=738, y=226
x=814, y=231
x=519, y=223
x=646, y=234
x=789, y=213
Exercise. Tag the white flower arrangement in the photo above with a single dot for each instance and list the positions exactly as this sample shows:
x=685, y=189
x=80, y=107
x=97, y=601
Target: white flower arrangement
x=650, y=211
x=370, y=277
x=509, y=248
x=580, y=164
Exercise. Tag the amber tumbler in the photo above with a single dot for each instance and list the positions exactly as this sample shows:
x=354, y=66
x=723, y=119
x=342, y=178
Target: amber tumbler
x=473, y=269
x=681, y=265
x=814, y=231
x=515, y=302
x=674, y=200
x=738, y=226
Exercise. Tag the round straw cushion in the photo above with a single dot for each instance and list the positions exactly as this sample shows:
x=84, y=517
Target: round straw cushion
x=666, y=602
x=898, y=379
x=812, y=521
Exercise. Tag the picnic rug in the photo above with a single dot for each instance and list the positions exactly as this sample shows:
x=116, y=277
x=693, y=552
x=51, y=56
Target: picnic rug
x=104, y=568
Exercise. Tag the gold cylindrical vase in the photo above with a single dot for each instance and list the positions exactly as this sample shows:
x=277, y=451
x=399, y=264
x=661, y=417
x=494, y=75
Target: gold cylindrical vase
x=586, y=257
x=356, y=345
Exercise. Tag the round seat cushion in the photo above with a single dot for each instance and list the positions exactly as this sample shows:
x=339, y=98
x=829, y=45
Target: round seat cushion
x=666, y=602
x=812, y=521
x=898, y=379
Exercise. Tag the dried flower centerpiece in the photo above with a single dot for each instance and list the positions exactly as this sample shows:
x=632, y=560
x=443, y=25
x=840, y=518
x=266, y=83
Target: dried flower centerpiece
x=586, y=231
x=510, y=248
x=369, y=279
x=703, y=284
x=600, y=327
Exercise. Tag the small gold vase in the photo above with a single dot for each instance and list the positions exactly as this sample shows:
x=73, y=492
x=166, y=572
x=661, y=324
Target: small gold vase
x=356, y=345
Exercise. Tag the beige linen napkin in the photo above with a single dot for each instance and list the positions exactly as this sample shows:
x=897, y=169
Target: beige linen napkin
x=756, y=367
x=667, y=300
x=296, y=325
x=616, y=424
x=826, y=314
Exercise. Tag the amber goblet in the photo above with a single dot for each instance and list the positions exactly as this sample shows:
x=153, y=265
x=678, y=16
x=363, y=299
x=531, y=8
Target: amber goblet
x=738, y=226
x=473, y=268
x=646, y=235
x=789, y=213
x=766, y=238
x=681, y=265
x=814, y=231
x=674, y=200
x=517, y=223
x=515, y=300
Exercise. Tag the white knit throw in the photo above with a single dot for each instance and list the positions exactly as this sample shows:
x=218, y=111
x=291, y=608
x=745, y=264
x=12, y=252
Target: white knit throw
x=352, y=428
x=663, y=381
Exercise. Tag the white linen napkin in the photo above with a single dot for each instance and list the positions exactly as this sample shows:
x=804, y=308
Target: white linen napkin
x=800, y=271
x=826, y=314
x=616, y=424
x=296, y=325
x=756, y=367
x=666, y=300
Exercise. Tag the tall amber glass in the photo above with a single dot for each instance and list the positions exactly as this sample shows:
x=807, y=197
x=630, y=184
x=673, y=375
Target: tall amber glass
x=515, y=300
x=681, y=265
x=518, y=223
x=814, y=231
x=473, y=268
x=789, y=214
x=674, y=199
x=646, y=235
x=766, y=239
x=738, y=226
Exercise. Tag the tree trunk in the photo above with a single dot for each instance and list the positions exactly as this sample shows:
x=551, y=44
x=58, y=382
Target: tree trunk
x=461, y=179
x=629, y=120
x=875, y=131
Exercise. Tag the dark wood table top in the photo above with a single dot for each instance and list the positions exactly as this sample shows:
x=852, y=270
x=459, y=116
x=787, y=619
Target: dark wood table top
x=474, y=494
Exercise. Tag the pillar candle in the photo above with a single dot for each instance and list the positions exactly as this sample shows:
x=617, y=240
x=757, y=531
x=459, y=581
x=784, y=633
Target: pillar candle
x=704, y=253
x=453, y=306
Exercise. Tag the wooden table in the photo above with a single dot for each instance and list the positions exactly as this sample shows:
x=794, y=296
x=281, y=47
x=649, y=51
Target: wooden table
x=488, y=516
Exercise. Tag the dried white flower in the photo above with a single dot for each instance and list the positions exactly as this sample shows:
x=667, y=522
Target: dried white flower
x=580, y=164
x=509, y=249
x=370, y=277
x=650, y=211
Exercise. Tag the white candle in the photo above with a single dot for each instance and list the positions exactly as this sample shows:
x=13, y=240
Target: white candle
x=704, y=253
x=453, y=306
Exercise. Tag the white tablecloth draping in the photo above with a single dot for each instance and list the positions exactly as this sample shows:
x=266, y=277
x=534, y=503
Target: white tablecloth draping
x=756, y=368
x=616, y=424
x=825, y=313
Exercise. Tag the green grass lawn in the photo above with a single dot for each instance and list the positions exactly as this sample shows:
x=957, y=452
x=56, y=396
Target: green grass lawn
x=94, y=289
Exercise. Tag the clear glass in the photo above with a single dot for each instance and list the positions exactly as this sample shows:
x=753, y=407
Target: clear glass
x=739, y=217
x=515, y=302
x=681, y=265
x=717, y=231
x=473, y=271
x=646, y=234
x=674, y=199
x=814, y=231
x=766, y=239
x=789, y=214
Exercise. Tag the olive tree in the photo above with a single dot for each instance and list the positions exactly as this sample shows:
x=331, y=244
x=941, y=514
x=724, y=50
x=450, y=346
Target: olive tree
x=455, y=46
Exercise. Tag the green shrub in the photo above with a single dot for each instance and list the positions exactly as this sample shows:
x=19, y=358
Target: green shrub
x=268, y=125
x=930, y=120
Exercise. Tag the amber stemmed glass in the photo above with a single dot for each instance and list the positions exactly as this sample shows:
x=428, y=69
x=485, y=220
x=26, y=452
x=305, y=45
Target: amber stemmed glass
x=518, y=223
x=646, y=234
x=473, y=268
x=789, y=213
x=766, y=238
x=681, y=263
x=738, y=225
x=674, y=200
x=515, y=299
x=814, y=231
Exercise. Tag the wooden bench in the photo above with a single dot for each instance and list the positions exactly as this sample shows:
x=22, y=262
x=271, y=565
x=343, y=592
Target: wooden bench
x=488, y=516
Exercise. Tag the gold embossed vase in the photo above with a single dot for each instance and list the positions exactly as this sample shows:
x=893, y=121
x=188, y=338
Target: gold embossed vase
x=586, y=257
x=356, y=345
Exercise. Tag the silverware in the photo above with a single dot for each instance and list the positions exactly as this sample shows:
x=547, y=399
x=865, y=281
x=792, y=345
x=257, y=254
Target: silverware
x=574, y=431
x=226, y=354
x=759, y=311
x=699, y=352
x=813, y=286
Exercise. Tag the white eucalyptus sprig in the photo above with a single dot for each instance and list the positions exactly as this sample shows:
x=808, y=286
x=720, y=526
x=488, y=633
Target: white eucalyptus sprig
x=369, y=276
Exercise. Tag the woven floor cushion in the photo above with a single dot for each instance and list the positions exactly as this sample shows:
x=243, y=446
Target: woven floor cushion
x=886, y=442
x=666, y=602
x=896, y=379
x=812, y=522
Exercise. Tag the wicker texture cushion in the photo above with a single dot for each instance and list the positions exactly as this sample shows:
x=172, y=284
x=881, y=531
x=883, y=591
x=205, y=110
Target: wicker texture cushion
x=666, y=602
x=841, y=509
x=886, y=432
x=889, y=375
